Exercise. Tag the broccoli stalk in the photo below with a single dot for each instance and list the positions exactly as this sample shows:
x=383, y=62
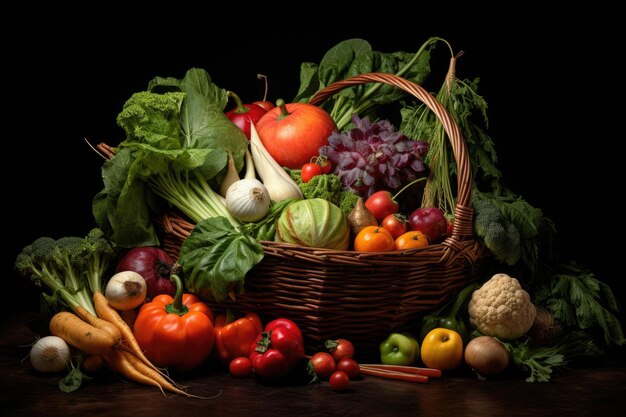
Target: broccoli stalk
x=70, y=267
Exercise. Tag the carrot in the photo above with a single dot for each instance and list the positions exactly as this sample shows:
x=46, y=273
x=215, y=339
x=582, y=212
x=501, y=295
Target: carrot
x=430, y=372
x=92, y=363
x=99, y=323
x=81, y=334
x=108, y=313
x=402, y=376
x=120, y=363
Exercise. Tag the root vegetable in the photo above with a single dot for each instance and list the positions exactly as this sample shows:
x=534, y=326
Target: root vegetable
x=487, y=355
x=360, y=217
x=81, y=334
x=126, y=290
x=50, y=354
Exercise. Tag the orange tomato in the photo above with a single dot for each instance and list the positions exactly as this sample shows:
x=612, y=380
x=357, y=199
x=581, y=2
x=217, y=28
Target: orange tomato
x=442, y=349
x=373, y=239
x=410, y=240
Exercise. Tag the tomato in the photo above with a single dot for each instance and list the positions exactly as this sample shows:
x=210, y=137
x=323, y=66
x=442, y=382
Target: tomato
x=340, y=349
x=396, y=224
x=373, y=239
x=322, y=364
x=410, y=240
x=240, y=367
x=293, y=133
x=324, y=163
x=339, y=380
x=442, y=349
x=382, y=204
x=350, y=367
x=264, y=104
x=310, y=170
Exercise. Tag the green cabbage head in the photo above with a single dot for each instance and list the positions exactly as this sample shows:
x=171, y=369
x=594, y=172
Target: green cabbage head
x=314, y=222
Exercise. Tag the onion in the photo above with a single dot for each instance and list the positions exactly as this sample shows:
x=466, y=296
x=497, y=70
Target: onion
x=50, y=354
x=126, y=290
x=248, y=200
x=486, y=355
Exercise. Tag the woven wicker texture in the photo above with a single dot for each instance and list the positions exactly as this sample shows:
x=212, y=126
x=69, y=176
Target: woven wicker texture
x=359, y=296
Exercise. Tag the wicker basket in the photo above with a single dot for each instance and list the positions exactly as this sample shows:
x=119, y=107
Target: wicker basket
x=359, y=296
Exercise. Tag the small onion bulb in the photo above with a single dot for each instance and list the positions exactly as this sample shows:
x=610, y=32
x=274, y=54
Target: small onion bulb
x=126, y=290
x=487, y=355
x=248, y=200
x=50, y=354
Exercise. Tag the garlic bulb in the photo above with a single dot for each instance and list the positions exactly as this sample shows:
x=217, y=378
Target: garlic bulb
x=248, y=200
x=50, y=354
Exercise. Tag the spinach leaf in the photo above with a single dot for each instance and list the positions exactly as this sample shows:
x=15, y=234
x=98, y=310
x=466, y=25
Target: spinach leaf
x=354, y=57
x=216, y=257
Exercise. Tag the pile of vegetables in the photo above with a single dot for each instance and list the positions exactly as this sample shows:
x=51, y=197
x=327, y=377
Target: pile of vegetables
x=336, y=177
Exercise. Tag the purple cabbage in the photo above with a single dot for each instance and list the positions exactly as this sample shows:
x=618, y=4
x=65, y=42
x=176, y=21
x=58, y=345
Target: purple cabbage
x=374, y=156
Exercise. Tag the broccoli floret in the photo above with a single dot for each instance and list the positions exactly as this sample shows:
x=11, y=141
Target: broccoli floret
x=500, y=236
x=71, y=267
x=98, y=254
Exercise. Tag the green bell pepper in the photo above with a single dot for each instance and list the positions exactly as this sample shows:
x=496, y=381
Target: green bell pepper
x=455, y=317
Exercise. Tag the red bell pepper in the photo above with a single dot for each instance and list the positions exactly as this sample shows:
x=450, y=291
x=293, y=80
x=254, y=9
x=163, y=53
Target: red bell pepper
x=175, y=332
x=234, y=337
x=277, y=350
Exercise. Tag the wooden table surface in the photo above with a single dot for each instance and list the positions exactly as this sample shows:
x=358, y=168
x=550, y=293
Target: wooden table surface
x=597, y=391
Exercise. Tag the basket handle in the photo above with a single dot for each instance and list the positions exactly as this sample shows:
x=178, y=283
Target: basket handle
x=463, y=213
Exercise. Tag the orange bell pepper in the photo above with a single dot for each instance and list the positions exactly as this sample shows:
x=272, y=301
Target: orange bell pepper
x=234, y=337
x=175, y=332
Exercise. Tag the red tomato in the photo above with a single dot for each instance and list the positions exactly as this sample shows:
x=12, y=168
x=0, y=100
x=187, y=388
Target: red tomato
x=324, y=163
x=240, y=367
x=323, y=364
x=381, y=204
x=309, y=171
x=396, y=224
x=339, y=380
x=349, y=366
x=340, y=349
x=293, y=133
x=266, y=105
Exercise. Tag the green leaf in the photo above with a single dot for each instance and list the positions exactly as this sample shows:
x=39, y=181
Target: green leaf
x=336, y=63
x=216, y=257
x=309, y=82
x=73, y=380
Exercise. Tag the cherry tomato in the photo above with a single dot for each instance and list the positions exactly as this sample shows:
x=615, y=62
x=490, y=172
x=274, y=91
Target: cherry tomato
x=310, y=170
x=350, y=367
x=339, y=380
x=323, y=364
x=410, y=240
x=240, y=367
x=397, y=224
x=324, y=163
x=373, y=239
x=340, y=349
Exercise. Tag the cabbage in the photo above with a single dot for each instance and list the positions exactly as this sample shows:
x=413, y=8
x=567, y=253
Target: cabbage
x=314, y=222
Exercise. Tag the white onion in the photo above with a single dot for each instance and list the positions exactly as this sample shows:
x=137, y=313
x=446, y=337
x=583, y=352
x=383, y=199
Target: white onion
x=248, y=200
x=50, y=354
x=126, y=290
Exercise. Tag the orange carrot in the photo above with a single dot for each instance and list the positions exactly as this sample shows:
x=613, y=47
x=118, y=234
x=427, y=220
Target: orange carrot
x=120, y=363
x=92, y=363
x=108, y=313
x=81, y=334
x=99, y=323
x=402, y=376
x=430, y=372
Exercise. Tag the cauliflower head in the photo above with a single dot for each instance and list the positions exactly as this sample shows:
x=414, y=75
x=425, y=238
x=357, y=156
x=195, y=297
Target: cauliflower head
x=501, y=308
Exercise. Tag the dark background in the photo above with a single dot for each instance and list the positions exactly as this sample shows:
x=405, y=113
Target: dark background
x=542, y=73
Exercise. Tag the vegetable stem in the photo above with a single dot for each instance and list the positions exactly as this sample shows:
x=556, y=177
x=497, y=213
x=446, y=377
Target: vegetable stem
x=177, y=306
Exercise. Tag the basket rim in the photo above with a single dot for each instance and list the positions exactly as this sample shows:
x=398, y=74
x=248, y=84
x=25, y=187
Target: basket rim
x=463, y=213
